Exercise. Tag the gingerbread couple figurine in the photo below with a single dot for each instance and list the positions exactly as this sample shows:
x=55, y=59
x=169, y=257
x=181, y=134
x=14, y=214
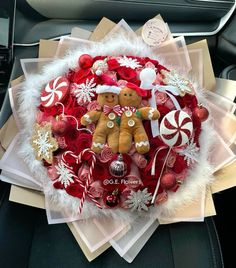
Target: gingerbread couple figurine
x=119, y=122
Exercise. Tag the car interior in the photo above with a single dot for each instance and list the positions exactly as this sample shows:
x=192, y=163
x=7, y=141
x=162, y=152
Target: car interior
x=26, y=239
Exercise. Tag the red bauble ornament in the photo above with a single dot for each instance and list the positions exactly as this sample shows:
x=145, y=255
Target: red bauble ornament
x=59, y=126
x=112, y=200
x=85, y=61
x=168, y=181
x=201, y=113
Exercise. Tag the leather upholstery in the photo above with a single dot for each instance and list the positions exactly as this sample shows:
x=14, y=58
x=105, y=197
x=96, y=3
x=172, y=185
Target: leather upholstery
x=227, y=43
x=28, y=241
x=229, y=72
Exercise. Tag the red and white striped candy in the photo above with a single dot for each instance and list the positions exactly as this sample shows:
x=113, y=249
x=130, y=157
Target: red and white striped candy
x=176, y=128
x=56, y=90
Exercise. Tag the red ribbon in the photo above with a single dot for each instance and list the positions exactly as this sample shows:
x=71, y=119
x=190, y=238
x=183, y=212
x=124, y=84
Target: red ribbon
x=116, y=109
x=128, y=108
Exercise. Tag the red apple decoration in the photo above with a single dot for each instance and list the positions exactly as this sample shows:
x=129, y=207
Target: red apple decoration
x=201, y=113
x=60, y=125
x=85, y=61
x=168, y=181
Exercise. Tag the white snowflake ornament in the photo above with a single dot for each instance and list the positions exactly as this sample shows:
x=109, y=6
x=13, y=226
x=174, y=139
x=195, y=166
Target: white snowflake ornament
x=139, y=200
x=129, y=62
x=190, y=153
x=84, y=92
x=65, y=174
x=43, y=142
x=182, y=85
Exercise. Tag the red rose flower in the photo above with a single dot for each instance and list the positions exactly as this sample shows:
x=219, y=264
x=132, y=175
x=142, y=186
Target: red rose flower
x=70, y=75
x=155, y=62
x=81, y=75
x=190, y=100
x=163, y=110
x=106, y=154
x=126, y=73
x=75, y=190
x=50, y=111
x=113, y=64
x=96, y=189
x=77, y=112
x=52, y=172
x=93, y=105
x=161, y=97
x=99, y=58
x=161, y=67
x=180, y=164
x=58, y=185
x=83, y=141
x=100, y=171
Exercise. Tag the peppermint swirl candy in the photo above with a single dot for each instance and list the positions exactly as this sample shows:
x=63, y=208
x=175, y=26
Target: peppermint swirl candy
x=55, y=91
x=176, y=128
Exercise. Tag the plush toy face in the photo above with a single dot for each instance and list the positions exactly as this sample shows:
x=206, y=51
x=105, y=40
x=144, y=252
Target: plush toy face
x=110, y=99
x=129, y=97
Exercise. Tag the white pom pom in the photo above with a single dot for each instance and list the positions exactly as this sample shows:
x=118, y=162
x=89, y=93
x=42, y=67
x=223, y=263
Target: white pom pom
x=98, y=72
x=147, y=75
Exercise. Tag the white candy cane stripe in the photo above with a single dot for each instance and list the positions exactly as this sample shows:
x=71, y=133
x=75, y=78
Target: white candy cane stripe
x=128, y=108
x=71, y=154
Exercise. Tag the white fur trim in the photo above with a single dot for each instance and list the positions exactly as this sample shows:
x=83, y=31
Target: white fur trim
x=107, y=89
x=29, y=99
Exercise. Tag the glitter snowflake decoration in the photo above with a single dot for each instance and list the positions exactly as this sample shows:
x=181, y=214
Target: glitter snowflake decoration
x=129, y=62
x=43, y=142
x=84, y=92
x=139, y=200
x=182, y=85
x=190, y=153
x=65, y=174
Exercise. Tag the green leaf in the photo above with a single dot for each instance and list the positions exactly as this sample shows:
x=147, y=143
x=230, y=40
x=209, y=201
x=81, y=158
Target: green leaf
x=118, y=120
x=138, y=113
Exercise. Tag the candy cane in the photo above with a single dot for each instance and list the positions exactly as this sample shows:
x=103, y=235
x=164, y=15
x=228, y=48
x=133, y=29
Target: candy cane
x=71, y=154
x=88, y=181
x=90, y=195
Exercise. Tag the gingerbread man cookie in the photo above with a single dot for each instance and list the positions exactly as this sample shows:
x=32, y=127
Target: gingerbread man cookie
x=131, y=127
x=106, y=119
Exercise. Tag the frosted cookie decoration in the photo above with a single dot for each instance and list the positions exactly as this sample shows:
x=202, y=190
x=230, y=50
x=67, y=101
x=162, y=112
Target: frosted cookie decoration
x=55, y=91
x=43, y=142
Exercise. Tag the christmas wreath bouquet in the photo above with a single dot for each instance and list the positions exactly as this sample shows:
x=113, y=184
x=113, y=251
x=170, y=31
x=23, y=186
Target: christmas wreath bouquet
x=112, y=130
